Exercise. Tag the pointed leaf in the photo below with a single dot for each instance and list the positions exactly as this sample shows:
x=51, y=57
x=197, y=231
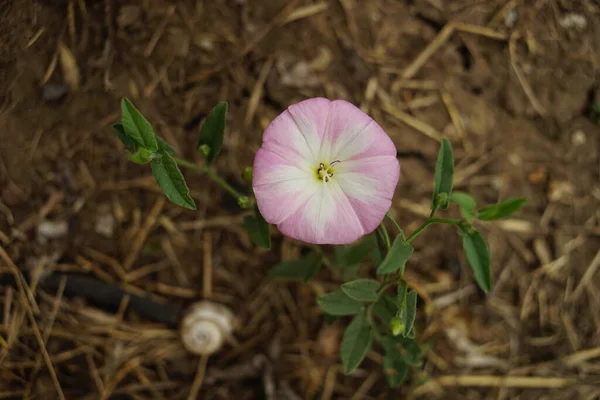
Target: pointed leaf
x=351, y=255
x=466, y=203
x=137, y=127
x=395, y=370
x=478, y=255
x=361, y=289
x=410, y=312
x=302, y=269
x=386, y=308
x=356, y=343
x=129, y=143
x=164, y=146
x=258, y=229
x=212, y=131
x=396, y=259
x=411, y=350
x=502, y=209
x=338, y=303
x=171, y=180
x=444, y=172
x=347, y=268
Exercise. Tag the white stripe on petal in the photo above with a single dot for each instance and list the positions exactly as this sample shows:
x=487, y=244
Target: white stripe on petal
x=326, y=218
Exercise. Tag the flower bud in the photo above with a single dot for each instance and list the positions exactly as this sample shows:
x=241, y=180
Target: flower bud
x=142, y=156
x=247, y=174
x=244, y=202
x=441, y=200
x=204, y=150
x=397, y=326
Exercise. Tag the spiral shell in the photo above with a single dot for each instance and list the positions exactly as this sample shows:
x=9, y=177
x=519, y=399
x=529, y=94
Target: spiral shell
x=205, y=327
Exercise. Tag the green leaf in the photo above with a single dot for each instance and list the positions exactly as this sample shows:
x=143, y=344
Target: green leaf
x=395, y=370
x=386, y=308
x=501, y=210
x=478, y=255
x=212, y=131
x=466, y=203
x=302, y=269
x=350, y=255
x=396, y=259
x=410, y=312
x=171, y=180
x=330, y=319
x=361, y=289
x=444, y=172
x=129, y=143
x=349, y=258
x=137, y=127
x=412, y=351
x=142, y=156
x=258, y=229
x=164, y=146
x=338, y=303
x=356, y=343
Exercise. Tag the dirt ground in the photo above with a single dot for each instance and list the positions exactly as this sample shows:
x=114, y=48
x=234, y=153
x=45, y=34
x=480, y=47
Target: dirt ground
x=512, y=84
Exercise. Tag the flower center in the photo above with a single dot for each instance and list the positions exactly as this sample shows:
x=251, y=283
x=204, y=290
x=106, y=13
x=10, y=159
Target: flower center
x=325, y=171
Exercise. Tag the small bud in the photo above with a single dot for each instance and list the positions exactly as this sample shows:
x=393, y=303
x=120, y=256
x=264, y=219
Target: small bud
x=441, y=200
x=204, y=150
x=247, y=174
x=244, y=202
x=397, y=326
x=142, y=156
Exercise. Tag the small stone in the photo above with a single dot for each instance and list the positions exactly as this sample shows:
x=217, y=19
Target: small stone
x=538, y=175
x=578, y=138
x=105, y=224
x=54, y=92
x=573, y=20
x=52, y=229
x=511, y=17
x=561, y=191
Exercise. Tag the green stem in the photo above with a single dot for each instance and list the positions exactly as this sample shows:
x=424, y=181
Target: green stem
x=385, y=237
x=431, y=222
x=434, y=210
x=372, y=322
x=211, y=174
x=391, y=218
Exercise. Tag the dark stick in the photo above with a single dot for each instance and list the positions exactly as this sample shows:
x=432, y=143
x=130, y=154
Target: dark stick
x=107, y=297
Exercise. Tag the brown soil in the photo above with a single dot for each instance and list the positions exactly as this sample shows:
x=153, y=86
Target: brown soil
x=512, y=86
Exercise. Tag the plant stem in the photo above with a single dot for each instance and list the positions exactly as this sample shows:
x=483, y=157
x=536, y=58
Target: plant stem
x=391, y=218
x=431, y=221
x=211, y=174
x=385, y=237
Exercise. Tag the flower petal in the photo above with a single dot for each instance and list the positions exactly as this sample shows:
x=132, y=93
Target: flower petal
x=296, y=134
x=278, y=200
x=370, y=184
x=326, y=218
x=352, y=134
x=272, y=168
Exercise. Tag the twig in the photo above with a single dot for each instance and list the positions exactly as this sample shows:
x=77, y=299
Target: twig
x=428, y=51
x=36, y=329
x=207, y=266
x=522, y=80
x=587, y=277
x=197, y=384
x=505, y=381
x=140, y=238
x=257, y=91
x=159, y=31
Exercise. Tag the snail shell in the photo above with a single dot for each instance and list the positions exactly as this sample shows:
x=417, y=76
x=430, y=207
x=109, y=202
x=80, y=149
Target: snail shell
x=205, y=327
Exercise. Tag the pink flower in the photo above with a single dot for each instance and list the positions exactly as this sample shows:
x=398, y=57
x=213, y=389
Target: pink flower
x=326, y=172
